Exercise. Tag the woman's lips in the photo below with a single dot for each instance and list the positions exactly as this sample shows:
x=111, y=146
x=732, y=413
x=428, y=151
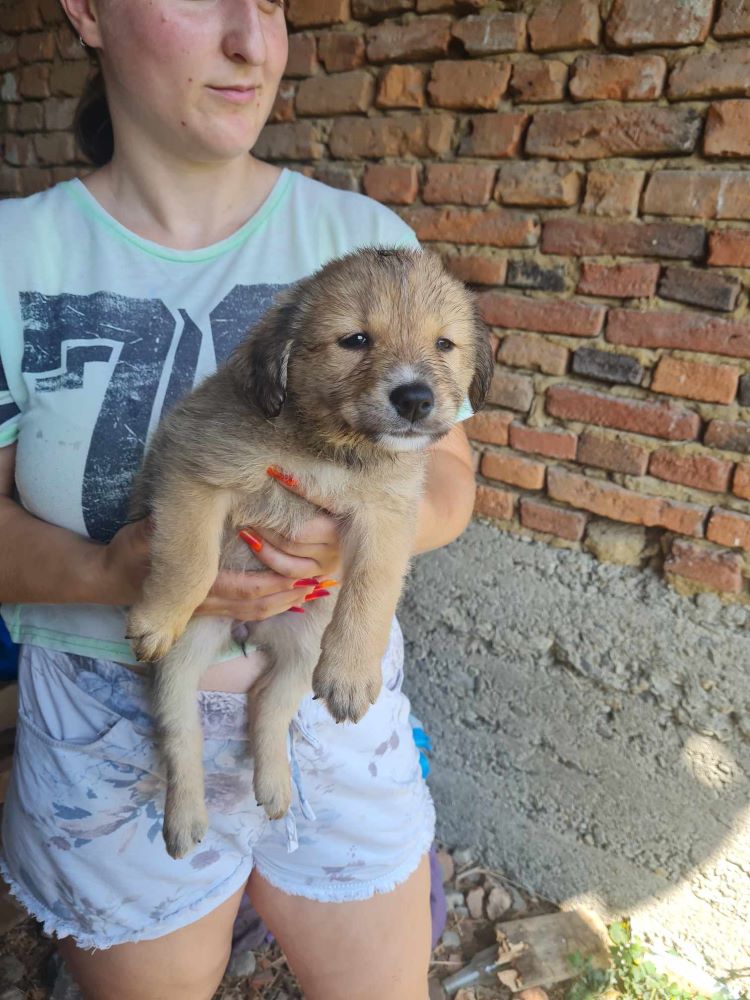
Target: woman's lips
x=237, y=95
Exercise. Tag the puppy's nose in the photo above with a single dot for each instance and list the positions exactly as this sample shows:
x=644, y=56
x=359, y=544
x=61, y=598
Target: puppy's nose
x=413, y=401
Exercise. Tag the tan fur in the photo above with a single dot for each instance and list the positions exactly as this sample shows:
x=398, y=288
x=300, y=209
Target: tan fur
x=292, y=396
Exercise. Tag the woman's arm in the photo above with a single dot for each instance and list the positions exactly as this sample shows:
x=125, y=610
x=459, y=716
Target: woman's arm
x=448, y=501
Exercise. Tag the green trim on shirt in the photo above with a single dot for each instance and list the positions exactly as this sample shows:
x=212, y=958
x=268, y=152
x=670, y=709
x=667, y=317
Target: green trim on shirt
x=78, y=191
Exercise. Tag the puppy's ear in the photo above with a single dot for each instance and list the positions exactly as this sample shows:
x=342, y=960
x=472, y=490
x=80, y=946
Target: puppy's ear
x=260, y=362
x=484, y=366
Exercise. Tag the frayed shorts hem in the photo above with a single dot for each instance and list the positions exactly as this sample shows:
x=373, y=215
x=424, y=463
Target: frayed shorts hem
x=54, y=926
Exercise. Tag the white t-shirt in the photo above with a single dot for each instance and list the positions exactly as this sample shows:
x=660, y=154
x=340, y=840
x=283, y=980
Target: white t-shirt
x=101, y=330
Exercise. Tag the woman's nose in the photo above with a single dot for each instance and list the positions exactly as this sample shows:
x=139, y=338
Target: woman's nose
x=244, y=39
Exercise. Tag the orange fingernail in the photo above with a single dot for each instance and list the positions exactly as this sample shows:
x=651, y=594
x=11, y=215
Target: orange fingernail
x=249, y=539
x=282, y=477
x=317, y=593
x=328, y=583
x=312, y=582
x=300, y=611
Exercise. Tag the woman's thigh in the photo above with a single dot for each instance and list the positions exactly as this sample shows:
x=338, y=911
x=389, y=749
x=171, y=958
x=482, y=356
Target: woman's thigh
x=187, y=964
x=363, y=950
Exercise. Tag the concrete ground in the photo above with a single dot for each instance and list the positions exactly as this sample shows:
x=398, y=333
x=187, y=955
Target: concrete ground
x=592, y=735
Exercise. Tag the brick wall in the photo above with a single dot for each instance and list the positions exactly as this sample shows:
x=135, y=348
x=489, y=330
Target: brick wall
x=581, y=164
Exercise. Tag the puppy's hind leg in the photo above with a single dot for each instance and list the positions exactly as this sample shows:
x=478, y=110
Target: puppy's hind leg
x=175, y=686
x=293, y=648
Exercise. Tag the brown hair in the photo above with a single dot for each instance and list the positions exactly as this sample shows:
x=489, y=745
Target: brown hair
x=92, y=125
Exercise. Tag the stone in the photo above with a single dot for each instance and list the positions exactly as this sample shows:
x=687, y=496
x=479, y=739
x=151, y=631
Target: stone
x=475, y=902
x=616, y=543
x=12, y=970
x=450, y=939
x=454, y=899
x=499, y=902
x=242, y=965
x=463, y=856
x=447, y=866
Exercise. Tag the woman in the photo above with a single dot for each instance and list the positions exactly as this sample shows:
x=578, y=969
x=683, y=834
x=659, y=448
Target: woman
x=121, y=291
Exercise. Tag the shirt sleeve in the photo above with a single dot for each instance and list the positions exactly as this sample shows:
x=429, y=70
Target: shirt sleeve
x=9, y=412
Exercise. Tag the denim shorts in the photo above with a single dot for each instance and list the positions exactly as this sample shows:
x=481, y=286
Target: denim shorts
x=82, y=844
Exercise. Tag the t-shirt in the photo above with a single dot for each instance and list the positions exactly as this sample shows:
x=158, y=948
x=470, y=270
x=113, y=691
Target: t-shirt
x=101, y=331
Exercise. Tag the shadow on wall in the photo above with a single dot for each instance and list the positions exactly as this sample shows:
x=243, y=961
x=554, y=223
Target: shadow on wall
x=591, y=734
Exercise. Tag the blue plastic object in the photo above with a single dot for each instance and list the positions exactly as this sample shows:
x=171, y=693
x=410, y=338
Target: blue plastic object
x=8, y=655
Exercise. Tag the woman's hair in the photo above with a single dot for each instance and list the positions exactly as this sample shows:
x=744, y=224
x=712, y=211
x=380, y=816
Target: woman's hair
x=92, y=125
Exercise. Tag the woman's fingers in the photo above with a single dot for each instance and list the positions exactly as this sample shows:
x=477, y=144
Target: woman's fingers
x=291, y=567
x=256, y=596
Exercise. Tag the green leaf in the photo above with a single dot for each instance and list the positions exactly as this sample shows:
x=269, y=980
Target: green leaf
x=619, y=932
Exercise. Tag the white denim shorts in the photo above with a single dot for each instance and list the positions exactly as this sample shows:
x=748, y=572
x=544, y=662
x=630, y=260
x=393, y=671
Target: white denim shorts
x=82, y=844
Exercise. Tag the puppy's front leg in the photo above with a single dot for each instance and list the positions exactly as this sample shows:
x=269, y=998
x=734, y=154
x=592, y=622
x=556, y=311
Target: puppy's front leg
x=377, y=549
x=185, y=548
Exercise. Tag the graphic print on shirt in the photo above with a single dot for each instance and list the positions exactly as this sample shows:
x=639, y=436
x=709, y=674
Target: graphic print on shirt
x=62, y=333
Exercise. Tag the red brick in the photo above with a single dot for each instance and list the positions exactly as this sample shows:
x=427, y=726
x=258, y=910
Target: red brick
x=613, y=453
x=523, y=350
x=518, y=312
x=538, y=80
x=58, y=113
x=302, y=59
x=342, y=93
x=35, y=179
x=477, y=268
x=66, y=79
x=34, y=81
x=491, y=502
x=486, y=34
x=51, y=11
x=366, y=9
x=741, y=484
x=700, y=288
x=693, y=380
x=425, y=38
x=729, y=249
x=30, y=116
x=701, y=471
x=341, y=50
x=619, y=504
x=718, y=570
x=513, y=391
x=283, y=106
x=496, y=227
x=310, y=13
x=625, y=281
x=654, y=419
x=730, y=529
x=701, y=194
x=67, y=43
x=489, y=426
x=617, y=78
x=498, y=135
x=20, y=16
x=38, y=46
x=583, y=237
x=728, y=129
x=458, y=184
x=551, y=185
x=401, y=87
x=594, y=133
x=10, y=180
x=515, y=471
x=9, y=87
x=8, y=52
x=543, y=441
x=548, y=520
x=634, y=24
x=55, y=148
x=613, y=193
x=734, y=19
x=297, y=141
x=718, y=73
x=19, y=151
x=684, y=331
x=337, y=175
x=564, y=24
x=402, y=135
x=392, y=183
x=728, y=435
x=468, y=85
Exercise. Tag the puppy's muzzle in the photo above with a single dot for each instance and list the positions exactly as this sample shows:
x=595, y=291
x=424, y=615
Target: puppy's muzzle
x=413, y=401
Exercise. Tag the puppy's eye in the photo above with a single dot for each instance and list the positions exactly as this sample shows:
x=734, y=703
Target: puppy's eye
x=355, y=341
x=443, y=344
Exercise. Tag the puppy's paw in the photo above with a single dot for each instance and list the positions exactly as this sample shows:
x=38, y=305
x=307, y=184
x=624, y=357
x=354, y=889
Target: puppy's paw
x=347, y=694
x=273, y=788
x=152, y=637
x=185, y=825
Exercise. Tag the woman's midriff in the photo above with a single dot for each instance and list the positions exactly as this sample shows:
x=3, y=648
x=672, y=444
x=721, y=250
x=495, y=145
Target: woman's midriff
x=236, y=675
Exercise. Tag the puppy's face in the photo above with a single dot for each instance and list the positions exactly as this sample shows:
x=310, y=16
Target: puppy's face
x=380, y=345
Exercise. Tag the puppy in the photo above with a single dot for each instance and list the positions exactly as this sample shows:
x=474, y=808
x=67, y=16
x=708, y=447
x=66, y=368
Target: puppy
x=344, y=383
